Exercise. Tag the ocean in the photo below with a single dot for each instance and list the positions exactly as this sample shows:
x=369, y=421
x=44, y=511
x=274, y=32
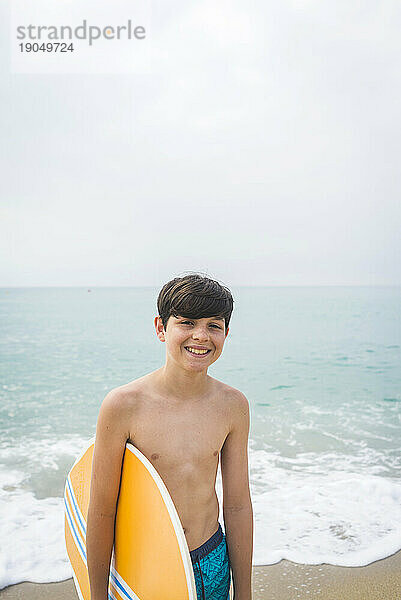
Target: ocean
x=321, y=367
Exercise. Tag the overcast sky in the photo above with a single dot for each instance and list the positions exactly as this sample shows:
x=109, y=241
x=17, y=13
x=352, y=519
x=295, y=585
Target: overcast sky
x=262, y=147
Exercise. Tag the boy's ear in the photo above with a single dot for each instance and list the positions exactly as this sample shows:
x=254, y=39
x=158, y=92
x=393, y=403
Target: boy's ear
x=159, y=329
x=227, y=330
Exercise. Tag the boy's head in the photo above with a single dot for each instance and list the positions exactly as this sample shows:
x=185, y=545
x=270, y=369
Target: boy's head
x=194, y=296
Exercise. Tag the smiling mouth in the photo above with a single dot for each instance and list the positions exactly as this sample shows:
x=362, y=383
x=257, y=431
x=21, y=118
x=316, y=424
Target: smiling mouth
x=195, y=352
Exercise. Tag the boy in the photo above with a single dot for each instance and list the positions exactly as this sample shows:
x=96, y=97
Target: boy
x=182, y=420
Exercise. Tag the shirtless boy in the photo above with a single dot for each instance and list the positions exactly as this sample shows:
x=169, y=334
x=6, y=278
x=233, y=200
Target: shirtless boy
x=183, y=420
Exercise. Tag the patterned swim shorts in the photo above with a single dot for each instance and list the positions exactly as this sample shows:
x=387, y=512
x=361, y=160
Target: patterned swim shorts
x=211, y=566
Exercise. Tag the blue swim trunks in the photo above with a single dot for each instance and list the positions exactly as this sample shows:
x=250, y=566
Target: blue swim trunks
x=211, y=566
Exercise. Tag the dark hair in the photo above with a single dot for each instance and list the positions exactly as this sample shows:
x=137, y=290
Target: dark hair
x=194, y=296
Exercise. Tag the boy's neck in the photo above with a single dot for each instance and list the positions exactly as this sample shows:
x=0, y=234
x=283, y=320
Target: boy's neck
x=181, y=384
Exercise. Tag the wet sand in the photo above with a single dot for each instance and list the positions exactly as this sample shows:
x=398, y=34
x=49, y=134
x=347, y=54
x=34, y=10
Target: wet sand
x=285, y=580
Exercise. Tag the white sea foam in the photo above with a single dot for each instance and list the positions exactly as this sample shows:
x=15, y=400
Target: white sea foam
x=338, y=517
x=31, y=528
x=32, y=537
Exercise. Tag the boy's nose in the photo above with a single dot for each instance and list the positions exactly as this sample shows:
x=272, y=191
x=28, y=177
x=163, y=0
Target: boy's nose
x=200, y=333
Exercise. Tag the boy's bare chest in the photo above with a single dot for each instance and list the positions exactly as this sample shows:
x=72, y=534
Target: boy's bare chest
x=180, y=437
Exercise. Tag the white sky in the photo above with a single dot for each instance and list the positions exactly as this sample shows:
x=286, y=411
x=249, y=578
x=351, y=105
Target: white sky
x=262, y=147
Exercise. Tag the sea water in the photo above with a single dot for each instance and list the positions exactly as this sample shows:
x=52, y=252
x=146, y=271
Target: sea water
x=319, y=365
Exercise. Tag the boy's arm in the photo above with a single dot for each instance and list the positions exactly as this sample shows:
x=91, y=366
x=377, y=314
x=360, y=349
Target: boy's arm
x=111, y=436
x=237, y=506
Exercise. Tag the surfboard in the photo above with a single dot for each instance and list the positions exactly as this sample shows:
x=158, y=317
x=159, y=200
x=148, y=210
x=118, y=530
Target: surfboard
x=150, y=559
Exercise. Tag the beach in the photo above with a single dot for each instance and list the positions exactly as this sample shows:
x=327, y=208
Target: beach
x=285, y=580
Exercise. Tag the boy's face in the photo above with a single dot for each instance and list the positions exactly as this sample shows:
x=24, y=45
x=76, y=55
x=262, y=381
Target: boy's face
x=193, y=343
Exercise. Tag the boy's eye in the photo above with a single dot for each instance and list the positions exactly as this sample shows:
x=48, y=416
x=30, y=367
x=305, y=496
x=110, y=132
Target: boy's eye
x=191, y=323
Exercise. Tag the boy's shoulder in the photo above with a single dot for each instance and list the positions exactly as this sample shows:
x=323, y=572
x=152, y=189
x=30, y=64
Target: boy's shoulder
x=223, y=387
x=125, y=396
x=133, y=388
x=231, y=394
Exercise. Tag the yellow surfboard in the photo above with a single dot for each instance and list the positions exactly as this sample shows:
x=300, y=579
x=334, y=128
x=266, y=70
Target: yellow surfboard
x=150, y=559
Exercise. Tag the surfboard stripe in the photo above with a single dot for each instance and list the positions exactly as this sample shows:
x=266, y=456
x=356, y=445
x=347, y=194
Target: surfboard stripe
x=76, y=507
x=69, y=495
x=115, y=593
x=78, y=543
x=120, y=584
x=121, y=595
x=69, y=507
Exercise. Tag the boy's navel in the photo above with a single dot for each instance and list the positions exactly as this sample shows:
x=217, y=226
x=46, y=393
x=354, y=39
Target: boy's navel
x=155, y=456
x=215, y=453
